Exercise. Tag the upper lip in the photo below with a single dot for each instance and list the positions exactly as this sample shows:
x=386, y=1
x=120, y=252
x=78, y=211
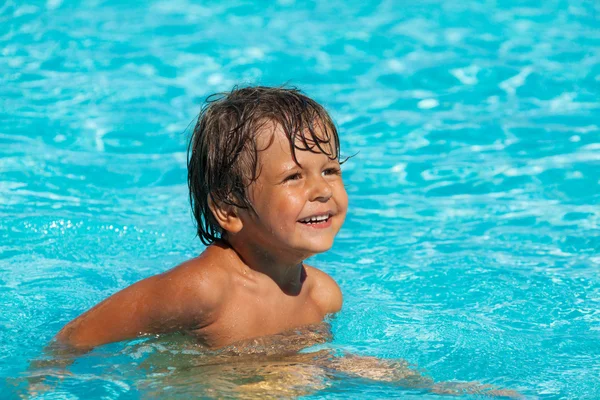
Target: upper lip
x=327, y=213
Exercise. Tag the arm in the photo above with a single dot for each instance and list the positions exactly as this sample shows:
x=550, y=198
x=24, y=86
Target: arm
x=399, y=372
x=179, y=299
x=186, y=297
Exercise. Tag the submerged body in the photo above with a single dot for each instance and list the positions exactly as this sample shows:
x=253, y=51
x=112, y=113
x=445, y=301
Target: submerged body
x=267, y=193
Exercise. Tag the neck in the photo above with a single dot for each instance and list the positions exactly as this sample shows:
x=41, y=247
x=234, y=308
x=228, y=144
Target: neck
x=285, y=269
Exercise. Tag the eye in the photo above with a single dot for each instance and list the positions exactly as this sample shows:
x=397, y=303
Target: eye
x=293, y=177
x=332, y=171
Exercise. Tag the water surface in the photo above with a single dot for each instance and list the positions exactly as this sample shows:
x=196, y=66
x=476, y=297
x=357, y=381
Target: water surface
x=471, y=248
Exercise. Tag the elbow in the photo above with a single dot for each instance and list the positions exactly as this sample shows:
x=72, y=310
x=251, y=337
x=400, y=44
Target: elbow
x=68, y=339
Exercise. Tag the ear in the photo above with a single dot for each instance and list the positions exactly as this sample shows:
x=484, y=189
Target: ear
x=226, y=216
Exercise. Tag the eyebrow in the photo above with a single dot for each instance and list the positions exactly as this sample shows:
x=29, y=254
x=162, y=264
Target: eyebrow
x=289, y=168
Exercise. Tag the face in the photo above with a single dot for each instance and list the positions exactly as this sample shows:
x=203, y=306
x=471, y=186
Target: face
x=299, y=208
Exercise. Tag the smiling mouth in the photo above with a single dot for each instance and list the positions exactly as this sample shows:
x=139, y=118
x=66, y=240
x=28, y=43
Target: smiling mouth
x=316, y=219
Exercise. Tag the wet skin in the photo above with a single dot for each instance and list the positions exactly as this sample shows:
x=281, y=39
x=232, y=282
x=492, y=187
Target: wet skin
x=254, y=283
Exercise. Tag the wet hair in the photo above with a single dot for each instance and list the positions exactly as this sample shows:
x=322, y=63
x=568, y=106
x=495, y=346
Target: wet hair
x=223, y=151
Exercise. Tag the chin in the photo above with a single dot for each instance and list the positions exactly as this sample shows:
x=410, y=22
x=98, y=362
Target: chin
x=316, y=248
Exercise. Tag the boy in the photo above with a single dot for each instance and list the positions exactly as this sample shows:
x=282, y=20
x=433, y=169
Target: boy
x=267, y=193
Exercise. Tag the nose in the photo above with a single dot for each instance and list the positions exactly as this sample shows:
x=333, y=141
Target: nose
x=320, y=190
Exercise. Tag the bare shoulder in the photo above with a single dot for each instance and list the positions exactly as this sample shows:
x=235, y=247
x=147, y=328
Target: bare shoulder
x=199, y=281
x=324, y=290
x=184, y=298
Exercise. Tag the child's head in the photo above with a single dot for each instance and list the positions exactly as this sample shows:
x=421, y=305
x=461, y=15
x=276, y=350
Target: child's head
x=224, y=151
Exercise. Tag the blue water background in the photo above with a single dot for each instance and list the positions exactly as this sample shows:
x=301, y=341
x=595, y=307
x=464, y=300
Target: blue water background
x=472, y=244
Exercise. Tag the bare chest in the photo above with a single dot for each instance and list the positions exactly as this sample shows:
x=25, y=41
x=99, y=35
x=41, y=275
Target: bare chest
x=249, y=316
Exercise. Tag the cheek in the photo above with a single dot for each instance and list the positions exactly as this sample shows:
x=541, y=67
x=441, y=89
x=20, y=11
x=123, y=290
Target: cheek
x=342, y=197
x=286, y=206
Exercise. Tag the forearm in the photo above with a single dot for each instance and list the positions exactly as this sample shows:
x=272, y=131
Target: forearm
x=399, y=372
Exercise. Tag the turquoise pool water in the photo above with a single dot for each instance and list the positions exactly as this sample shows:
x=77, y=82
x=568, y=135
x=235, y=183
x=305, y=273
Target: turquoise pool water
x=472, y=244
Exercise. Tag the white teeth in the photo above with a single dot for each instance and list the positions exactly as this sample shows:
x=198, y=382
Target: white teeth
x=318, y=218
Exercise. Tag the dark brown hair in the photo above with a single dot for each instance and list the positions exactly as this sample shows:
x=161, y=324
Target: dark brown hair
x=223, y=154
